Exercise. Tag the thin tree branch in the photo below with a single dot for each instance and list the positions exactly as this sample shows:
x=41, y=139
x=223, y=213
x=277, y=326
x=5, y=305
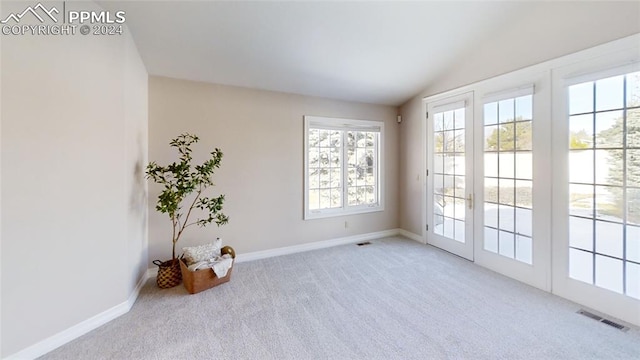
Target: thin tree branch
x=186, y=219
x=174, y=240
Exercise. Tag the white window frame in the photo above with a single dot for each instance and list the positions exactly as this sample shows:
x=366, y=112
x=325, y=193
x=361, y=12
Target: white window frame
x=318, y=122
x=496, y=97
x=432, y=106
x=533, y=81
x=606, y=301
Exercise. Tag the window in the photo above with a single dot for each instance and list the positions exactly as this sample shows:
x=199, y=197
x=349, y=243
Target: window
x=508, y=177
x=449, y=198
x=604, y=183
x=343, y=169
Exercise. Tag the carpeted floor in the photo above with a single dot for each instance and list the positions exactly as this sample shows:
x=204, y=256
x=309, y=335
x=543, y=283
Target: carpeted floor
x=393, y=299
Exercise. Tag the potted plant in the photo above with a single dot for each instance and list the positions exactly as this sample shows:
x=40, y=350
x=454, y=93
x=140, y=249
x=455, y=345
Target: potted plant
x=185, y=183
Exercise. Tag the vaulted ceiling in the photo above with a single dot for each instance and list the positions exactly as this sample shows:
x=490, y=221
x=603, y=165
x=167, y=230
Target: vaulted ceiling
x=374, y=52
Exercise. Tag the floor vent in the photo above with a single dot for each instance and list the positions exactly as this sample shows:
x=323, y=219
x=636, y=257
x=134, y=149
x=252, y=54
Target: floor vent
x=602, y=320
x=611, y=323
x=363, y=243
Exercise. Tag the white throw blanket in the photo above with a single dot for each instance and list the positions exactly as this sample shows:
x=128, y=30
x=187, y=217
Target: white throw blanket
x=219, y=264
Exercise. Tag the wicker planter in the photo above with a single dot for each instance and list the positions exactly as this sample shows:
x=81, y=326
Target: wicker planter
x=169, y=274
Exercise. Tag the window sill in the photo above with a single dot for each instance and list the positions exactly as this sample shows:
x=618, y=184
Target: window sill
x=322, y=214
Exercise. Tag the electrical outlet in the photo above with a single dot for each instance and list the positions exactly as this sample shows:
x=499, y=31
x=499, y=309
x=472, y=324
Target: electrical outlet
x=346, y=224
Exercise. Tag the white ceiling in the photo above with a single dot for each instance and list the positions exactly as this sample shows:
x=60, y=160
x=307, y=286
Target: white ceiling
x=374, y=52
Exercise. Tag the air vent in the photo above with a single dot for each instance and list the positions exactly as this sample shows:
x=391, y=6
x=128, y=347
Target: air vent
x=611, y=323
x=363, y=243
x=602, y=320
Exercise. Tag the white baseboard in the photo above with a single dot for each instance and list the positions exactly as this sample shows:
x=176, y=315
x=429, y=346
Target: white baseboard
x=74, y=332
x=256, y=255
x=264, y=254
x=412, y=236
x=136, y=292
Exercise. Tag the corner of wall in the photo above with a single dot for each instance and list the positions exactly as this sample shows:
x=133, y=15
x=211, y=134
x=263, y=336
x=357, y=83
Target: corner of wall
x=410, y=152
x=104, y=166
x=136, y=108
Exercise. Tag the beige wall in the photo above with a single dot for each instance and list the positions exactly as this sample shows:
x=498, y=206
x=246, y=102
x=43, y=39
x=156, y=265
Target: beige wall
x=261, y=135
x=411, y=188
x=73, y=143
x=550, y=30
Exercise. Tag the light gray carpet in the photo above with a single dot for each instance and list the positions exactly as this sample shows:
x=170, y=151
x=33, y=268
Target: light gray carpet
x=393, y=299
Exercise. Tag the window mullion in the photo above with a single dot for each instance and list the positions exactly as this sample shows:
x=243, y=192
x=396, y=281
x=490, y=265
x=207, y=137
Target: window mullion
x=345, y=168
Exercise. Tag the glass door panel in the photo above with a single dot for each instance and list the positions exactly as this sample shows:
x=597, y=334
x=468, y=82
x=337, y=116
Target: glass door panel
x=450, y=197
x=449, y=183
x=508, y=178
x=604, y=183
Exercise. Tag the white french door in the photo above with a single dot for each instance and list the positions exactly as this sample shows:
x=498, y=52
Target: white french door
x=535, y=174
x=449, y=221
x=597, y=189
x=512, y=230
x=486, y=184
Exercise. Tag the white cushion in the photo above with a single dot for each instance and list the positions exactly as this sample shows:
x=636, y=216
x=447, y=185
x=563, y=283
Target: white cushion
x=199, y=253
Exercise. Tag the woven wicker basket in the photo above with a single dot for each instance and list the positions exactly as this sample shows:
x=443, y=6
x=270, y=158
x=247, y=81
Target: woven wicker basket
x=203, y=279
x=199, y=280
x=169, y=274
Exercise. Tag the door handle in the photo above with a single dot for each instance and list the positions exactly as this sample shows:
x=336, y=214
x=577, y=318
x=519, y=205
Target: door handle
x=470, y=201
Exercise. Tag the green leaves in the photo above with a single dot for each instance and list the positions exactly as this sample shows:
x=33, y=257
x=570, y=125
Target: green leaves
x=181, y=179
x=213, y=206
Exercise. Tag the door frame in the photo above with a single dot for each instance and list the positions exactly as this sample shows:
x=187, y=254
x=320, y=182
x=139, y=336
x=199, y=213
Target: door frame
x=464, y=250
x=538, y=274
